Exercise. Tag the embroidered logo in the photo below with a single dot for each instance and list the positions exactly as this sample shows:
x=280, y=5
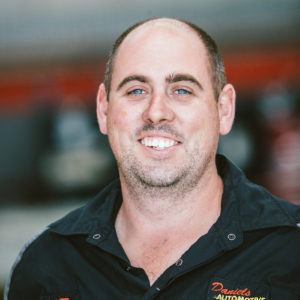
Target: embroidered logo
x=224, y=290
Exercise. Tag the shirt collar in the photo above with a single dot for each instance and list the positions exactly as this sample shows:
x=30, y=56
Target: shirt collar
x=251, y=205
x=96, y=216
x=245, y=206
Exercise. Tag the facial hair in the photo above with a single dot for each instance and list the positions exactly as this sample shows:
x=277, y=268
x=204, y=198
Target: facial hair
x=161, y=179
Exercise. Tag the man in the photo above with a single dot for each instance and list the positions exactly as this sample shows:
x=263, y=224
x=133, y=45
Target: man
x=181, y=223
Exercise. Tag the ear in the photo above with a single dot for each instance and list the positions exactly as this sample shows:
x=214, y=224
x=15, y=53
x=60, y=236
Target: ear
x=226, y=107
x=102, y=107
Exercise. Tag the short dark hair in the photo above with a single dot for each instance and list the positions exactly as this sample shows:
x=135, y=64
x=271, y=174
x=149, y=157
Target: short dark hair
x=217, y=69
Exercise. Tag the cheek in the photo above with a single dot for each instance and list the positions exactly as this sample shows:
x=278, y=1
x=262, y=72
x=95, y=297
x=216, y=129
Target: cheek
x=116, y=117
x=125, y=115
x=194, y=118
x=122, y=122
x=202, y=121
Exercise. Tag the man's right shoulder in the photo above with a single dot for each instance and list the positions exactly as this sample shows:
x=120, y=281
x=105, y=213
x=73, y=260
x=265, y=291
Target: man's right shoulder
x=29, y=266
x=46, y=254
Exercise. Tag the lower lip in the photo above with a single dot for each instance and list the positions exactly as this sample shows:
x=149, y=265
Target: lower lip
x=160, y=153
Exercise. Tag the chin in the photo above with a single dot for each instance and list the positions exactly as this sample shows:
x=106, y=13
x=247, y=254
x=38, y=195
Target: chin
x=159, y=182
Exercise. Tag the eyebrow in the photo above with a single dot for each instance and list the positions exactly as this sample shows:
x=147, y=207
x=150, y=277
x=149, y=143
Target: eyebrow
x=127, y=79
x=183, y=77
x=172, y=78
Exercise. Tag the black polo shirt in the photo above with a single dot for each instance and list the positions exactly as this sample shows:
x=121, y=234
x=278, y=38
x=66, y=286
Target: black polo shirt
x=252, y=252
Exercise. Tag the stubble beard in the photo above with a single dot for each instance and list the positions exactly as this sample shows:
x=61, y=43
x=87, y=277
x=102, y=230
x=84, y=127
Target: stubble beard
x=160, y=180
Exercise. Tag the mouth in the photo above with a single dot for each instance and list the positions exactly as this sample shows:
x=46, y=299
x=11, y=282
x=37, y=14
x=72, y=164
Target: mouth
x=158, y=143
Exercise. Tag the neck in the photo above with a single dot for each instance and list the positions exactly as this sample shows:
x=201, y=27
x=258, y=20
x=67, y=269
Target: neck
x=158, y=212
x=161, y=224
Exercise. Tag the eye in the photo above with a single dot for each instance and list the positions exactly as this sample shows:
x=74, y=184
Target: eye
x=182, y=92
x=136, y=92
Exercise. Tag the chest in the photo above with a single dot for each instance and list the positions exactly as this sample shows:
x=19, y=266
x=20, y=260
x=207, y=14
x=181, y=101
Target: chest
x=154, y=259
x=230, y=275
x=261, y=266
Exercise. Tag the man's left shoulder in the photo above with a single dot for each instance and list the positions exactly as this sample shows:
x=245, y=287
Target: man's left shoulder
x=283, y=224
x=290, y=216
x=260, y=209
x=290, y=209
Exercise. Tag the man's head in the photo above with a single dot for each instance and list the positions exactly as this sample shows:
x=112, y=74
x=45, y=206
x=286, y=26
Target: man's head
x=217, y=70
x=162, y=117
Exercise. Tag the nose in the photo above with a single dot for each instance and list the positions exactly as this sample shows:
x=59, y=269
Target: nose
x=159, y=110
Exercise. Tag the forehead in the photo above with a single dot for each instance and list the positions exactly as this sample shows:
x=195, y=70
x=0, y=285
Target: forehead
x=161, y=27
x=161, y=44
x=169, y=25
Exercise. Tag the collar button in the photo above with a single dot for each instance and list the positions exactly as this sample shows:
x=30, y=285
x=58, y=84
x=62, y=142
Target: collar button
x=97, y=236
x=179, y=262
x=231, y=236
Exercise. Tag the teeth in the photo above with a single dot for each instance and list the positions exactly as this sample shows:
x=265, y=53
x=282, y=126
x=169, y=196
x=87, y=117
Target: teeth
x=158, y=143
x=161, y=144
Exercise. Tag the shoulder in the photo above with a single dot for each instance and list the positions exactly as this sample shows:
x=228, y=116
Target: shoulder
x=27, y=268
x=42, y=266
x=265, y=210
x=257, y=207
x=48, y=254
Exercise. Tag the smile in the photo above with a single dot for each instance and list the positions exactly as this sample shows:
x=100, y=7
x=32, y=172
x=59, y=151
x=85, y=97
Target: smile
x=158, y=143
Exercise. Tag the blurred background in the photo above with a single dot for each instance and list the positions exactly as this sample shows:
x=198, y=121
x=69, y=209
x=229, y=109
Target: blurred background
x=52, y=59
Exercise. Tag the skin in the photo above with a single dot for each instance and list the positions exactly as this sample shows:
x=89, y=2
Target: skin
x=161, y=88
